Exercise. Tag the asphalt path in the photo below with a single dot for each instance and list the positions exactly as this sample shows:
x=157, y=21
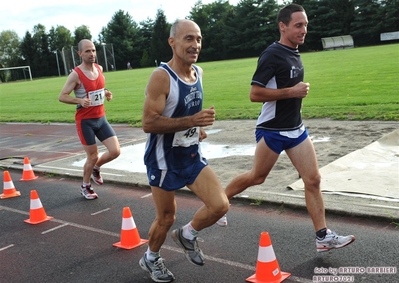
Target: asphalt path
x=77, y=244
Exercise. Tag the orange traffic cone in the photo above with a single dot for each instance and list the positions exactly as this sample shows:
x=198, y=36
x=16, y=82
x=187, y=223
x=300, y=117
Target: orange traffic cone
x=130, y=237
x=37, y=213
x=267, y=267
x=28, y=174
x=9, y=190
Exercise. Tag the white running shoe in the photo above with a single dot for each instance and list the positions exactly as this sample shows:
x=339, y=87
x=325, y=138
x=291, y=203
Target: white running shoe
x=88, y=192
x=222, y=222
x=333, y=241
x=190, y=247
x=156, y=269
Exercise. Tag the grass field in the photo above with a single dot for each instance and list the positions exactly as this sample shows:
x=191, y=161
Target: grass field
x=350, y=84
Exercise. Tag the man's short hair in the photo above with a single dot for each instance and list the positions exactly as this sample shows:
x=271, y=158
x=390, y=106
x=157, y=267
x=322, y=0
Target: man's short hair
x=284, y=15
x=80, y=44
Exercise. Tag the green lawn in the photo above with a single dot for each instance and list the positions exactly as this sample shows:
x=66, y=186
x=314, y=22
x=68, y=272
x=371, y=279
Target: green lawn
x=350, y=84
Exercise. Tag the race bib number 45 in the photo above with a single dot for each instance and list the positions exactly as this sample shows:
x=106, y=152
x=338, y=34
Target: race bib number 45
x=97, y=97
x=186, y=138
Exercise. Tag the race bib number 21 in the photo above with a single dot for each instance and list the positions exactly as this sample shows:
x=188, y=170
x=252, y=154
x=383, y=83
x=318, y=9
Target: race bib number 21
x=97, y=97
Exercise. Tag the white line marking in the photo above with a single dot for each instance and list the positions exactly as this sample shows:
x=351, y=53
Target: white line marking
x=178, y=250
x=383, y=206
x=9, y=246
x=61, y=168
x=101, y=211
x=272, y=193
x=55, y=228
x=299, y=279
x=360, y=195
x=14, y=210
x=146, y=196
x=76, y=170
x=100, y=231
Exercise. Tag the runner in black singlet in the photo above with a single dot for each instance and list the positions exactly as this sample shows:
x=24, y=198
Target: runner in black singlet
x=278, y=84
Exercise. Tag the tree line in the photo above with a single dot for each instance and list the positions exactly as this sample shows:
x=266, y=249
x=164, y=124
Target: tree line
x=229, y=32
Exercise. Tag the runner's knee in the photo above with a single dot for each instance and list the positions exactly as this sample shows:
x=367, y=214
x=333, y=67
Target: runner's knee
x=221, y=208
x=115, y=153
x=312, y=183
x=258, y=180
x=92, y=158
x=166, y=220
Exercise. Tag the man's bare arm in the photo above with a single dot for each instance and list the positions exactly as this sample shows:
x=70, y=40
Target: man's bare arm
x=70, y=84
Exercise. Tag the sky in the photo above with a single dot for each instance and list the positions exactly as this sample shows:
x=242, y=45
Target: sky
x=23, y=16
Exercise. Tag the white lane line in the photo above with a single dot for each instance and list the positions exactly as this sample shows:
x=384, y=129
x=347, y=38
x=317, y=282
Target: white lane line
x=146, y=196
x=61, y=168
x=14, y=210
x=55, y=228
x=383, y=206
x=100, y=231
x=175, y=249
x=101, y=211
x=299, y=279
x=75, y=170
x=4, y=248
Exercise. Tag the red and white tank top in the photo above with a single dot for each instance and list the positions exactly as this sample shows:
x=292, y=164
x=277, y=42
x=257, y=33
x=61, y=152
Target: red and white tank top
x=93, y=89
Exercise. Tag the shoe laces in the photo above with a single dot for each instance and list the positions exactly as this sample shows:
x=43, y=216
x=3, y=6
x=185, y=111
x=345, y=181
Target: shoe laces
x=195, y=244
x=333, y=234
x=89, y=189
x=160, y=265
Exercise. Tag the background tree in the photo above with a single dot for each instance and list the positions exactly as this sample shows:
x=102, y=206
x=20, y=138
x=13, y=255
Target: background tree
x=123, y=32
x=27, y=49
x=35, y=51
x=81, y=32
x=345, y=14
x=59, y=38
x=211, y=18
x=389, y=12
x=9, y=49
x=322, y=23
x=160, y=49
x=228, y=32
x=145, y=36
x=9, y=53
x=364, y=24
x=252, y=28
x=41, y=62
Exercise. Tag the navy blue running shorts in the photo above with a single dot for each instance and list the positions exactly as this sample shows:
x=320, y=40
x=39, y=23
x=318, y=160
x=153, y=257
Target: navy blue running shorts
x=89, y=129
x=276, y=142
x=172, y=180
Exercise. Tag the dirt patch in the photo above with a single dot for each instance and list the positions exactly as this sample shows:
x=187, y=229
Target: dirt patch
x=333, y=139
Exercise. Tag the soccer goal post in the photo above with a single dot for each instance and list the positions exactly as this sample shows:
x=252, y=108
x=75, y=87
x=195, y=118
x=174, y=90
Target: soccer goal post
x=8, y=74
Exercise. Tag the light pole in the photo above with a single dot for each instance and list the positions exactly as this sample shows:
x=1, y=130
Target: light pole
x=113, y=57
x=65, y=63
x=105, y=56
x=73, y=58
x=58, y=64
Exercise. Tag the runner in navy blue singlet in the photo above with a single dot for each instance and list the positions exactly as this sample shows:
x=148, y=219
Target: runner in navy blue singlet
x=173, y=118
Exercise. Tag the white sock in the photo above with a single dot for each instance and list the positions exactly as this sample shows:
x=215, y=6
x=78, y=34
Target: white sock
x=189, y=232
x=151, y=256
